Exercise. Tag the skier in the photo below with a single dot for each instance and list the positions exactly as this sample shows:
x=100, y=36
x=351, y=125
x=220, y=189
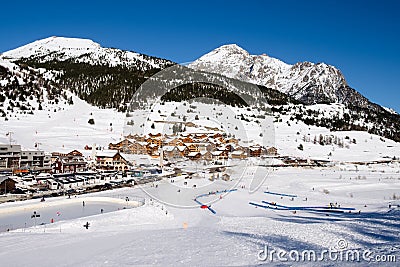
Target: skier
x=83, y=203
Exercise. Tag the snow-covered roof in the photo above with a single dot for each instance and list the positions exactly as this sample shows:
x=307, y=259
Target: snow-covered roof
x=193, y=154
x=167, y=140
x=106, y=153
x=181, y=148
x=129, y=157
x=168, y=148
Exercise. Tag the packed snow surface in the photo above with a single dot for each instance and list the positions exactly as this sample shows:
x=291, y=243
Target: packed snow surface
x=162, y=235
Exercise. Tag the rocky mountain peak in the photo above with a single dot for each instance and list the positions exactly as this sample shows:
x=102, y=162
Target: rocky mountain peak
x=305, y=81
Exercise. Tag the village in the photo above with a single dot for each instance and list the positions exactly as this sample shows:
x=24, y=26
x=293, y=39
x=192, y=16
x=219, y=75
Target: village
x=134, y=160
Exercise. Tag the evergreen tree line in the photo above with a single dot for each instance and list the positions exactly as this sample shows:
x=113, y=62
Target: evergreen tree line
x=113, y=87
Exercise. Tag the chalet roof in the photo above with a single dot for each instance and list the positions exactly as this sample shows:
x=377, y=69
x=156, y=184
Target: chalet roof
x=169, y=148
x=75, y=153
x=167, y=140
x=196, y=144
x=191, y=144
x=3, y=178
x=129, y=157
x=193, y=154
x=181, y=148
x=106, y=153
x=237, y=152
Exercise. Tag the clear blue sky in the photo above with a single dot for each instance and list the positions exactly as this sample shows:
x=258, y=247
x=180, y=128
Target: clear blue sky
x=362, y=38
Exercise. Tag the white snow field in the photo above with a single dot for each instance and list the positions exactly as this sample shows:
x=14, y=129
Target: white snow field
x=64, y=128
x=18, y=216
x=162, y=235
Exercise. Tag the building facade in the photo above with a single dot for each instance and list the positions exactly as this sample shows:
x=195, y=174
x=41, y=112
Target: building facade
x=10, y=157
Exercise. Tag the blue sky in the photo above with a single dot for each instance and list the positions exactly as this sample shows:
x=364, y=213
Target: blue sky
x=361, y=38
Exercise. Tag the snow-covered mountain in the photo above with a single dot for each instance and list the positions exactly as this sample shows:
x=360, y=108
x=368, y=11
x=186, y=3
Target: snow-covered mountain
x=305, y=81
x=82, y=51
x=105, y=77
x=234, y=62
x=48, y=73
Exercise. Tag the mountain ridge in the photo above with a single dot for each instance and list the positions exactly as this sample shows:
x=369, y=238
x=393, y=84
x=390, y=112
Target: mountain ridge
x=308, y=82
x=81, y=51
x=46, y=71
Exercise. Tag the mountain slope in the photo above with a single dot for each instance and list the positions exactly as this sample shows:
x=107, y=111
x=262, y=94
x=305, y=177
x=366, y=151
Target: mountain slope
x=24, y=89
x=41, y=75
x=83, y=51
x=104, y=77
x=308, y=82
